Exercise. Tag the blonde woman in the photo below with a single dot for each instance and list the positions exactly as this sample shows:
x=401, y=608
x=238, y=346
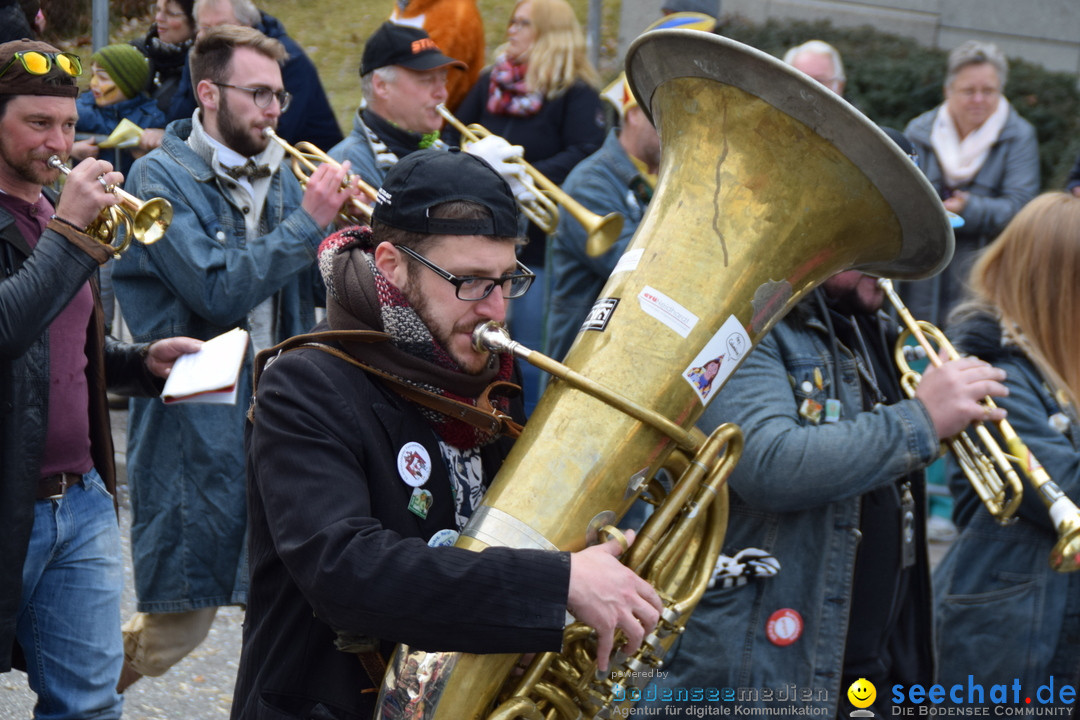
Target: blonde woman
x=541, y=94
x=1002, y=613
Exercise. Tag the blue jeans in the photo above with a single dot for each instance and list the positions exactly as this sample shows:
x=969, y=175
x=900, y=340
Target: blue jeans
x=69, y=618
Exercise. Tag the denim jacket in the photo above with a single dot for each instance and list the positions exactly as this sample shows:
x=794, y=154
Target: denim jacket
x=358, y=148
x=1001, y=611
x=795, y=493
x=601, y=182
x=186, y=461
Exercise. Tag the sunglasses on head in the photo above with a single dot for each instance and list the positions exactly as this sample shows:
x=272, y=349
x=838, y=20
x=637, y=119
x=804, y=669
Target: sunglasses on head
x=37, y=62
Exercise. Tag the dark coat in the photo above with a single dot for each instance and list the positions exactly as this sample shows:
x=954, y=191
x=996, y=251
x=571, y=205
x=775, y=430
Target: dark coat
x=565, y=131
x=34, y=288
x=333, y=546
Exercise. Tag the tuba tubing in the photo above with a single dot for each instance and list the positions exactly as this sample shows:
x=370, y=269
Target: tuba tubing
x=768, y=185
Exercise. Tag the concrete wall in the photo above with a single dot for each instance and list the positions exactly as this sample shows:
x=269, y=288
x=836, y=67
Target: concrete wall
x=1046, y=32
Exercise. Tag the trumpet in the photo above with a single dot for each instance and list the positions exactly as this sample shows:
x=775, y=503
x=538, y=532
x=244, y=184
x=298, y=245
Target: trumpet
x=307, y=157
x=602, y=232
x=980, y=471
x=116, y=225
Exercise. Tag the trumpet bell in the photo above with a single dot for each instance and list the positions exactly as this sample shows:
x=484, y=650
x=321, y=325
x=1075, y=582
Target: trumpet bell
x=151, y=220
x=602, y=234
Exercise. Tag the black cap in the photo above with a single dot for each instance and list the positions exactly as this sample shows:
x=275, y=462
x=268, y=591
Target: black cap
x=403, y=45
x=427, y=178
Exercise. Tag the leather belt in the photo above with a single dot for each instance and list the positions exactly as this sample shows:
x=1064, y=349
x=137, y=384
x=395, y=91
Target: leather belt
x=54, y=486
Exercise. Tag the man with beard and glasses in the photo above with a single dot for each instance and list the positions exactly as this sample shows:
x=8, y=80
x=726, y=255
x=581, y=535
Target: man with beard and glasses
x=371, y=444
x=824, y=576
x=240, y=253
x=61, y=570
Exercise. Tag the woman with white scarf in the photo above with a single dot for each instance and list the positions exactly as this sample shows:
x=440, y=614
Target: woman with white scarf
x=982, y=157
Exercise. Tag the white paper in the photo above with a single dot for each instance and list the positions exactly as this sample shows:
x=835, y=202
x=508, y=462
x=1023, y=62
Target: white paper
x=209, y=375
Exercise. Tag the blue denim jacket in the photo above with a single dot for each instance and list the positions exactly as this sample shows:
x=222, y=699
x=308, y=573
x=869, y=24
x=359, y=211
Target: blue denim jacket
x=601, y=182
x=1001, y=612
x=795, y=493
x=186, y=462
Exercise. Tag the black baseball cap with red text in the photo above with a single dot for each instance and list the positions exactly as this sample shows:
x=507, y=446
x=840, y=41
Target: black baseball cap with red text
x=404, y=45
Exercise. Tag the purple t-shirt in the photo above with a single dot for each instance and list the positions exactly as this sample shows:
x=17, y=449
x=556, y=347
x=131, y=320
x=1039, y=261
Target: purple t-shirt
x=67, y=444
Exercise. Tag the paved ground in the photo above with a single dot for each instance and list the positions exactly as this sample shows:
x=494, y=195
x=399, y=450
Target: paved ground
x=198, y=688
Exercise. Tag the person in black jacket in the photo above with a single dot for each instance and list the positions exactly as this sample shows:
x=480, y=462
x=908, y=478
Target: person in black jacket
x=60, y=563
x=356, y=489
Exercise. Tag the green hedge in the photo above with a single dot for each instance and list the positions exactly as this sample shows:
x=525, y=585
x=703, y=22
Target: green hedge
x=892, y=79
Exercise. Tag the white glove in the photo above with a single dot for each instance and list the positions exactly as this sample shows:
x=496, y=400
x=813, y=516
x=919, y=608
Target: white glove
x=506, y=160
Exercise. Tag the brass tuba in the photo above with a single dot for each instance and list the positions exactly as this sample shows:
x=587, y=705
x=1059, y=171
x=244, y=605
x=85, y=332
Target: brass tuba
x=768, y=184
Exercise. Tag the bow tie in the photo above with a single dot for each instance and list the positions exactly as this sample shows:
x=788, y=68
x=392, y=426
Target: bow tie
x=249, y=170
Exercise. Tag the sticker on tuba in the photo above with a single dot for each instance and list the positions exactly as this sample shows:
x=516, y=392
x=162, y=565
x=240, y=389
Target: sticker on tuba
x=718, y=359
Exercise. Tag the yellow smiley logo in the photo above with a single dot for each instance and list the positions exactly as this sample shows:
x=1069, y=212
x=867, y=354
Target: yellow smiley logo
x=862, y=693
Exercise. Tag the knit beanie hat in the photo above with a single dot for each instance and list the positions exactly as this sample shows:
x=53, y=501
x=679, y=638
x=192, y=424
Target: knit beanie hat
x=127, y=67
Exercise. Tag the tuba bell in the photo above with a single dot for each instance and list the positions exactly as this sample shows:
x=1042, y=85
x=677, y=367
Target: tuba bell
x=768, y=185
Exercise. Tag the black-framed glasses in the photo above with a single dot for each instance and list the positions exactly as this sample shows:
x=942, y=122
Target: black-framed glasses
x=37, y=62
x=263, y=95
x=474, y=288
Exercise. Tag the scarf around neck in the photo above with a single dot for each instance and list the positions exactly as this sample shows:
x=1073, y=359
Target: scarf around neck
x=507, y=92
x=359, y=297
x=961, y=160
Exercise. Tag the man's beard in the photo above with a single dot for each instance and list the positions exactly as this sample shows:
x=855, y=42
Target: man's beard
x=26, y=166
x=234, y=135
x=420, y=304
x=851, y=303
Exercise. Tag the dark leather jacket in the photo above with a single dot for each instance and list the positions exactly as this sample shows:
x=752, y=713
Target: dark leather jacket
x=34, y=288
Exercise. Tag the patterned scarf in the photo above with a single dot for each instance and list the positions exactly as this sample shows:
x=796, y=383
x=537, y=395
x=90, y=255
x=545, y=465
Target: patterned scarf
x=359, y=297
x=507, y=92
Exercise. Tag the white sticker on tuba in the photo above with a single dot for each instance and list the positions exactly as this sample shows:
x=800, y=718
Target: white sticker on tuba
x=629, y=261
x=718, y=359
x=667, y=311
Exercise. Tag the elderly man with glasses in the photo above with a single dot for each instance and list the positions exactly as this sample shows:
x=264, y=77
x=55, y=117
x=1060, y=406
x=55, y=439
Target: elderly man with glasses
x=371, y=445
x=240, y=253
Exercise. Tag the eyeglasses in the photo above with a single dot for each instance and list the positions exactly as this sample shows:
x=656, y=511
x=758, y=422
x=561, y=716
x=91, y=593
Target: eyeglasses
x=473, y=288
x=262, y=95
x=37, y=62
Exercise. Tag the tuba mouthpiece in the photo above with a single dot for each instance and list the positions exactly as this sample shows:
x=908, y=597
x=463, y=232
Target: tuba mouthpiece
x=493, y=337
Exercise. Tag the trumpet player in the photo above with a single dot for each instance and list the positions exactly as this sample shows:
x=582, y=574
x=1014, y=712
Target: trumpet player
x=1002, y=613
x=60, y=555
x=403, y=78
x=824, y=577
x=359, y=485
x=240, y=252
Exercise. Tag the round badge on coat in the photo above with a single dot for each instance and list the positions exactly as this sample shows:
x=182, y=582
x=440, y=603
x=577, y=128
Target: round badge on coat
x=443, y=538
x=784, y=627
x=414, y=464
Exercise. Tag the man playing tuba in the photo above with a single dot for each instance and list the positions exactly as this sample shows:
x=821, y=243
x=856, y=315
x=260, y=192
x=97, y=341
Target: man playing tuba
x=360, y=483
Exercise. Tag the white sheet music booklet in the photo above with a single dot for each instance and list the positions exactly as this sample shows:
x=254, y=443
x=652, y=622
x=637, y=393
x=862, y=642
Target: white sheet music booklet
x=209, y=375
